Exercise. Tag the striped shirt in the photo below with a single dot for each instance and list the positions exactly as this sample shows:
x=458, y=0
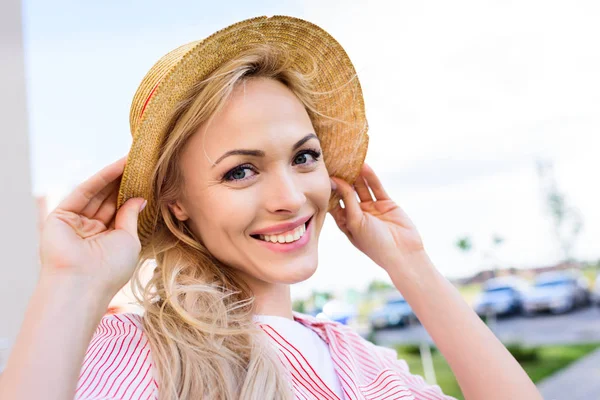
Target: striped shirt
x=118, y=365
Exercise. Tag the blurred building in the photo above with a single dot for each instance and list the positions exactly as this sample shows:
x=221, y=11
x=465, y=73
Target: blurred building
x=526, y=273
x=18, y=238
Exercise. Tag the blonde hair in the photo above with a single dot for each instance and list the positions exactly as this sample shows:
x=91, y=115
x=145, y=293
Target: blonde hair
x=198, y=314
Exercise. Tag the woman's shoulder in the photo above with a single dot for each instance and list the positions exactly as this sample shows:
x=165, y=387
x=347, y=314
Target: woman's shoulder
x=124, y=319
x=118, y=363
x=376, y=367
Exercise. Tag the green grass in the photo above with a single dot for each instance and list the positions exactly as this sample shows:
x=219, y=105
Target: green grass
x=590, y=274
x=554, y=358
x=548, y=360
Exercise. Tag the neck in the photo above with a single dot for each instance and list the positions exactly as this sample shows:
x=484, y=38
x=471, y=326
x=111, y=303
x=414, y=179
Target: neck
x=273, y=299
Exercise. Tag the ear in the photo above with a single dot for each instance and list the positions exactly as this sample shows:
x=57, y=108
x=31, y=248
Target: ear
x=178, y=210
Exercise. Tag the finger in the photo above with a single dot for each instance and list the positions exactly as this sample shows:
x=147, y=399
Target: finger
x=339, y=216
x=374, y=183
x=111, y=225
x=361, y=188
x=108, y=209
x=352, y=208
x=82, y=226
x=84, y=193
x=95, y=205
x=127, y=216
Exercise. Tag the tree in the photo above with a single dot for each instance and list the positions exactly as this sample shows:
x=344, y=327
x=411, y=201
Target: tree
x=320, y=298
x=492, y=253
x=567, y=220
x=489, y=255
x=464, y=244
x=377, y=286
x=299, y=305
x=497, y=240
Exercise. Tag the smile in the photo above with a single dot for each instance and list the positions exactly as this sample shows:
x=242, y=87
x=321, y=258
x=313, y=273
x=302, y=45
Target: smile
x=285, y=237
x=286, y=241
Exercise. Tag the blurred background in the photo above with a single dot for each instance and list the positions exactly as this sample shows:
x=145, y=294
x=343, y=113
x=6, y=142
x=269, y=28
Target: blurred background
x=483, y=126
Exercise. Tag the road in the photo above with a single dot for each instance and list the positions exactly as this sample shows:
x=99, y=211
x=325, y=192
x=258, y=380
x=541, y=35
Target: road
x=580, y=326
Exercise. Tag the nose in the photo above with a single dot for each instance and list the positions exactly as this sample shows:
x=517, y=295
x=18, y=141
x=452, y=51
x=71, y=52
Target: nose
x=284, y=194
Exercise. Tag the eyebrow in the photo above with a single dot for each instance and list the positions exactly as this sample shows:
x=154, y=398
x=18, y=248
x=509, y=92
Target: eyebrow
x=260, y=153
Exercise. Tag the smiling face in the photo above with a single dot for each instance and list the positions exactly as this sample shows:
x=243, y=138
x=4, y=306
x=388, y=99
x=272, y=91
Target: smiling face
x=256, y=187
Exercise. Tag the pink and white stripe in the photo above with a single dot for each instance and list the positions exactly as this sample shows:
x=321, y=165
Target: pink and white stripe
x=118, y=365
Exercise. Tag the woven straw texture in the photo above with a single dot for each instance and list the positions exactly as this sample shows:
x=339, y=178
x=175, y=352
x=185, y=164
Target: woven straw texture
x=344, y=144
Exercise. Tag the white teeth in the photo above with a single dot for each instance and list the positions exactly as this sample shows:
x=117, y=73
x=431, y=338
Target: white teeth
x=286, y=237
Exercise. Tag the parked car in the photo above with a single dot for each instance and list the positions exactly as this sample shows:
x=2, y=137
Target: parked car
x=395, y=312
x=501, y=296
x=595, y=295
x=557, y=292
x=339, y=311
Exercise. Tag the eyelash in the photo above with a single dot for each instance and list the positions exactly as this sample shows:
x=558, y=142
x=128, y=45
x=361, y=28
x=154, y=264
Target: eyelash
x=316, y=154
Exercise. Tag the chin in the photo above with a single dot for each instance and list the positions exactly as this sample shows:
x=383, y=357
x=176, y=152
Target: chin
x=294, y=272
x=299, y=277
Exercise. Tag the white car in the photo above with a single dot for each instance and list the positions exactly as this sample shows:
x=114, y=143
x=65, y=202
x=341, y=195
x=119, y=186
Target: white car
x=501, y=296
x=339, y=311
x=557, y=292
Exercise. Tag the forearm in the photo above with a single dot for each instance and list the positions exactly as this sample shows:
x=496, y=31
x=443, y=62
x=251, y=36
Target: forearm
x=483, y=367
x=47, y=355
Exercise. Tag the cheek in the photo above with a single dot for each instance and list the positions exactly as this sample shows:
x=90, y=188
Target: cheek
x=222, y=215
x=320, y=189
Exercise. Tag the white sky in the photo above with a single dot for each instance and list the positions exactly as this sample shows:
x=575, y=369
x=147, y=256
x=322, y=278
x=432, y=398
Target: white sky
x=461, y=98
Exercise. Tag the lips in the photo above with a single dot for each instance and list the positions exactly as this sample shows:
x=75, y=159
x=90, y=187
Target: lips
x=281, y=228
x=283, y=237
x=292, y=247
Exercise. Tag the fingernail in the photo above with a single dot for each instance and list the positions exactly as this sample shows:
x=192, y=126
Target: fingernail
x=143, y=205
x=333, y=184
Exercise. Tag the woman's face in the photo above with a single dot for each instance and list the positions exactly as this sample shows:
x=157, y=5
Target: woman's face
x=256, y=188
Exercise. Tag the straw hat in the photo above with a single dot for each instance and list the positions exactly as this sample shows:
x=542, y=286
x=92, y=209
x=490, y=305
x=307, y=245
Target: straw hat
x=344, y=145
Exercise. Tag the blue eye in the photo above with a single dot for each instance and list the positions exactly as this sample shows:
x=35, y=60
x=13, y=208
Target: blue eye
x=247, y=171
x=239, y=173
x=304, y=157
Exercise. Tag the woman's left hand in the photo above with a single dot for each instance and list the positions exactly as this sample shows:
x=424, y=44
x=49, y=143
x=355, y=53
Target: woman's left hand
x=376, y=226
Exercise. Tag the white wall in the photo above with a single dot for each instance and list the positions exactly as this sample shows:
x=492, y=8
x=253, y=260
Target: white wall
x=18, y=236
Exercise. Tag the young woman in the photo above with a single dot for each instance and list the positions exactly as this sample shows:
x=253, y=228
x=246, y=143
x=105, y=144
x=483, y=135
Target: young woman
x=242, y=143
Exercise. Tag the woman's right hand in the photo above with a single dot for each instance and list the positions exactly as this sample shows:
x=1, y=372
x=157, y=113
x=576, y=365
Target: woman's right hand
x=86, y=239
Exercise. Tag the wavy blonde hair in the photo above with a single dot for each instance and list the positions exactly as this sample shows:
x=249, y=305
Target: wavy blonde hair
x=198, y=314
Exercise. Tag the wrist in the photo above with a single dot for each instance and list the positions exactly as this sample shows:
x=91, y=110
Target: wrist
x=74, y=293
x=414, y=269
x=407, y=263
